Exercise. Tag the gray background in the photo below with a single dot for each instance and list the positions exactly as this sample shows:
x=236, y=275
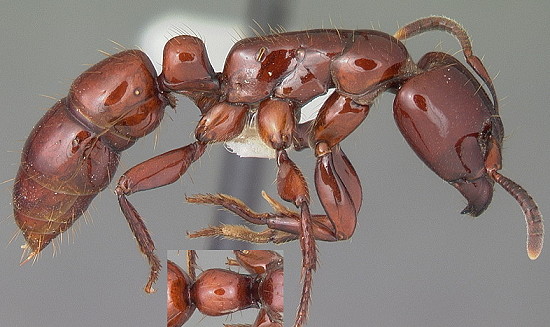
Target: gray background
x=413, y=261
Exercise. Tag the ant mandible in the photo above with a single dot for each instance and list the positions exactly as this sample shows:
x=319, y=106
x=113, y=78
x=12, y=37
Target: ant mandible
x=440, y=107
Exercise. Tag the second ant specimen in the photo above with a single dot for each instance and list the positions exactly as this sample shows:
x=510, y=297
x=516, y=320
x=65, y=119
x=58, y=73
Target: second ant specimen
x=217, y=292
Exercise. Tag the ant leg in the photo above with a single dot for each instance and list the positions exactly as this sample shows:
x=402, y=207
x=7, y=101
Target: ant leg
x=337, y=185
x=155, y=172
x=286, y=225
x=221, y=122
x=340, y=192
x=256, y=261
x=243, y=233
x=339, y=189
x=191, y=264
x=283, y=225
x=292, y=187
x=263, y=319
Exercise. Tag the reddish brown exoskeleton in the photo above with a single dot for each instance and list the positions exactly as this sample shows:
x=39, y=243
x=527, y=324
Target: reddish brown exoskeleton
x=217, y=292
x=440, y=107
x=73, y=152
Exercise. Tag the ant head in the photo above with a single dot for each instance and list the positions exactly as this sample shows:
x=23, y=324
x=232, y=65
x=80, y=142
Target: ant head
x=451, y=124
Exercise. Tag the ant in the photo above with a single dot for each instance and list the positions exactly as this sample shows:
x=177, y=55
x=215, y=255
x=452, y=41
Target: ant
x=217, y=292
x=441, y=108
